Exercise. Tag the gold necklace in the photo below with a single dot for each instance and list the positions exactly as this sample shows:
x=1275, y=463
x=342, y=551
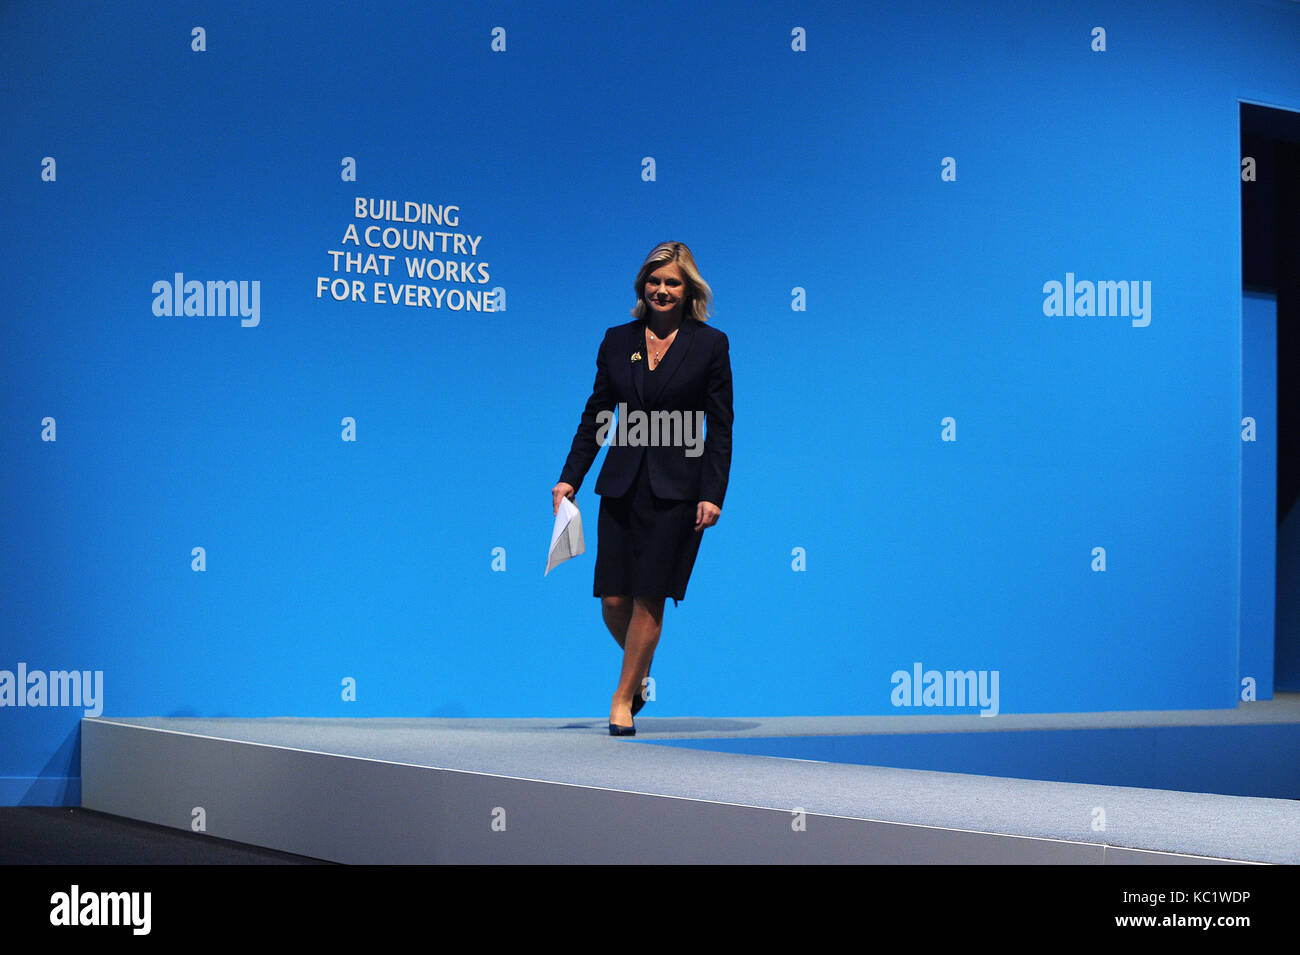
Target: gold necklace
x=665, y=341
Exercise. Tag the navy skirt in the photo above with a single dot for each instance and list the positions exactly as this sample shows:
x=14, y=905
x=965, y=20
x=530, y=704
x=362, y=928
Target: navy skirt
x=646, y=545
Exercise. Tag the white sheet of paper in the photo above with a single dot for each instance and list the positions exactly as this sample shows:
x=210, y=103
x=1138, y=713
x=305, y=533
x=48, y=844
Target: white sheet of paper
x=566, y=536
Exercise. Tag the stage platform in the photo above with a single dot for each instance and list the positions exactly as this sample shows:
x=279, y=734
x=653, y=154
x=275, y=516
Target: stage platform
x=562, y=790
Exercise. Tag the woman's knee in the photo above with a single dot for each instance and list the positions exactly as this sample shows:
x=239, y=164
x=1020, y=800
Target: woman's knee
x=615, y=604
x=652, y=607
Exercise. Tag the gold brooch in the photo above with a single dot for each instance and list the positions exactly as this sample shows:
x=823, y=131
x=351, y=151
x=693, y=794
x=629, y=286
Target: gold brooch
x=636, y=356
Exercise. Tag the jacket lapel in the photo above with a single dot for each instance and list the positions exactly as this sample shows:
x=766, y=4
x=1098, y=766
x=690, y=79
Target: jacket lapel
x=636, y=346
x=673, y=359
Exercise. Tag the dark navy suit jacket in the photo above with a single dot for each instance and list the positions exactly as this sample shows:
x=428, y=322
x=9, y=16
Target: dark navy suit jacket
x=695, y=375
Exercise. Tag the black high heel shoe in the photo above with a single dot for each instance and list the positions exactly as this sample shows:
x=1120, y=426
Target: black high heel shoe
x=638, y=699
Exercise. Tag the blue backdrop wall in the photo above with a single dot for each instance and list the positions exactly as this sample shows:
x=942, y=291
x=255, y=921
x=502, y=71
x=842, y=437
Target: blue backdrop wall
x=270, y=501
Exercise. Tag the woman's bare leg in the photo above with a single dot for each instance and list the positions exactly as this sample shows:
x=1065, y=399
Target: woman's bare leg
x=638, y=651
x=617, y=612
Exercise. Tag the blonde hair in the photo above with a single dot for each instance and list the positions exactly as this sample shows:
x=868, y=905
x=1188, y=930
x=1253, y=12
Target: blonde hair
x=698, y=291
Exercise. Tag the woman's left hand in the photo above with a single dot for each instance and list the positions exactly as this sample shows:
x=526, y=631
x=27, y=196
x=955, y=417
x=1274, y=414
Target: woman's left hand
x=706, y=514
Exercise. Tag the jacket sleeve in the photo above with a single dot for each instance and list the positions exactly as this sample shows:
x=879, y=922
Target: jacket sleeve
x=585, y=447
x=718, y=417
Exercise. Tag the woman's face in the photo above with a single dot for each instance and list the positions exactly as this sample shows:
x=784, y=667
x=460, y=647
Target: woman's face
x=665, y=289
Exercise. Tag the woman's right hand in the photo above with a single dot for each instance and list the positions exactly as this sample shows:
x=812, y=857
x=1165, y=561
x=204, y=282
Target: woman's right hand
x=561, y=490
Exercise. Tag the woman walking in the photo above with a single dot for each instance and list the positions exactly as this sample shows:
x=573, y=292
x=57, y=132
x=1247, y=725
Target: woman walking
x=667, y=376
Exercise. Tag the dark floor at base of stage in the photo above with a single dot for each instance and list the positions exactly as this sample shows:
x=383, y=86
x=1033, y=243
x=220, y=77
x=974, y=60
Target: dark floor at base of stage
x=43, y=835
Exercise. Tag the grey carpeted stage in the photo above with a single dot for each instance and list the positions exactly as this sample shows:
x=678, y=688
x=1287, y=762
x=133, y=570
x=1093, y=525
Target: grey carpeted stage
x=562, y=790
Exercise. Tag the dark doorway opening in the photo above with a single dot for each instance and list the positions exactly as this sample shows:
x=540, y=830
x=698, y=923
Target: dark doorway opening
x=1270, y=265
